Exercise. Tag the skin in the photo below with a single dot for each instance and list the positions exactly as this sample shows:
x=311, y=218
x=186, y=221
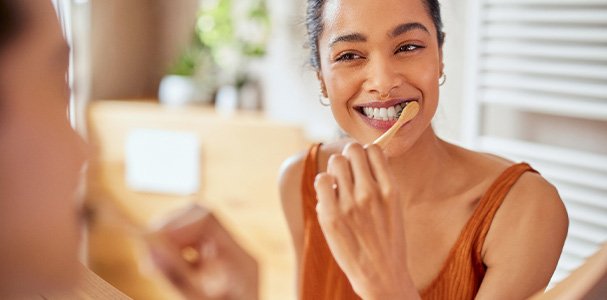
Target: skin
x=404, y=201
x=223, y=270
x=41, y=162
x=41, y=159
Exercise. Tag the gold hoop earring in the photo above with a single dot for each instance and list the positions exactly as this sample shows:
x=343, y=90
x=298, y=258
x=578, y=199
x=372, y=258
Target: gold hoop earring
x=442, y=79
x=325, y=104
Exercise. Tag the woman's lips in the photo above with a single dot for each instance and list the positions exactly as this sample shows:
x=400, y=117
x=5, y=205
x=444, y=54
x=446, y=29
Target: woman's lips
x=382, y=114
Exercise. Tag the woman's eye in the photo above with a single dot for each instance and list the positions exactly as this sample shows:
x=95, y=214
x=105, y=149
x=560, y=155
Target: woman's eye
x=347, y=57
x=408, y=48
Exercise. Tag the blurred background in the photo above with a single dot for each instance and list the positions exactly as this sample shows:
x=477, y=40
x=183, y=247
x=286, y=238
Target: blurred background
x=171, y=93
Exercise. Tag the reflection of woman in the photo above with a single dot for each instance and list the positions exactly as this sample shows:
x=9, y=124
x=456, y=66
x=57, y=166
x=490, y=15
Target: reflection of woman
x=422, y=218
x=41, y=158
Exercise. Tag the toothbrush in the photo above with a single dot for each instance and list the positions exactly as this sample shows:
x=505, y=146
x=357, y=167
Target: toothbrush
x=408, y=113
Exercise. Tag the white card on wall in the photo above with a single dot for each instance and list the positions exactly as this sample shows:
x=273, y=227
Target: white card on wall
x=162, y=161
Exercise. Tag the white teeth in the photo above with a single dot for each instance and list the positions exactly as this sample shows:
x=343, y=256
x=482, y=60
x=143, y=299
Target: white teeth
x=384, y=113
x=391, y=112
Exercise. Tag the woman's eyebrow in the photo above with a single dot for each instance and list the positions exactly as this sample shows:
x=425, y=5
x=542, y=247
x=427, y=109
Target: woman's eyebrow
x=352, y=37
x=398, y=30
x=406, y=27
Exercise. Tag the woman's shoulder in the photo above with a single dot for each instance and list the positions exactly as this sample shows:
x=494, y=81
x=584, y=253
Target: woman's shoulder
x=491, y=166
x=291, y=172
x=530, y=194
x=528, y=229
x=532, y=203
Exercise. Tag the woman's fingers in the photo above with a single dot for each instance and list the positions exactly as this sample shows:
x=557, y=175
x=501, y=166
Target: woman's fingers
x=339, y=168
x=381, y=171
x=361, y=171
x=168, y=260
x=185, y=227
x=199, y=256
x=333, y=223
x=326, y=192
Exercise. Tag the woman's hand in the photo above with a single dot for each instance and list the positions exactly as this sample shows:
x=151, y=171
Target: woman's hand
x=360, y=215
x=199, y=256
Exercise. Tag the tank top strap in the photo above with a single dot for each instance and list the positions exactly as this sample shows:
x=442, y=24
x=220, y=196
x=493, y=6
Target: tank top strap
x=490, y=202
x=307, y=181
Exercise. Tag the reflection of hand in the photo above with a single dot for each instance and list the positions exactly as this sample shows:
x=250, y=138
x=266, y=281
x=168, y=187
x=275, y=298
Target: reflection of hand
x=201, y=259
x=360, y=215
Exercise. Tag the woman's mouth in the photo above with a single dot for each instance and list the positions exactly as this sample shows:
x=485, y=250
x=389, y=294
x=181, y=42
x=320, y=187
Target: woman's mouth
x=382, y=115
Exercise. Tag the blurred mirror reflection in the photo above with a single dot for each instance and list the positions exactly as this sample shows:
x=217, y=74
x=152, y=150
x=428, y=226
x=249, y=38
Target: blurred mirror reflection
x=190, y=101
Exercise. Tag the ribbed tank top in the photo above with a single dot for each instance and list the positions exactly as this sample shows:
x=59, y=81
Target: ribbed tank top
x=461, y=274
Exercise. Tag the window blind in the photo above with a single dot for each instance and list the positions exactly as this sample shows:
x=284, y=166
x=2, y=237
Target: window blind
x=547, y=58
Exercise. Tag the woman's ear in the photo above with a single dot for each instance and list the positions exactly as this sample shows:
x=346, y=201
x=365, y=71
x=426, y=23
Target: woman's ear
x=323, y=87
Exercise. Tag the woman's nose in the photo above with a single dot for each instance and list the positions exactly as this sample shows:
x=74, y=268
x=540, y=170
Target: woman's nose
x=382, y=78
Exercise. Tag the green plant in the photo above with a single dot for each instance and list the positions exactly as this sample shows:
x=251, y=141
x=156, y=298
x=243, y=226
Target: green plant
x=233, y=33
x=186, y=64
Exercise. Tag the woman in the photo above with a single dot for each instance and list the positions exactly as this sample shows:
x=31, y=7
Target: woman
x=421, y=218
x=41, y=159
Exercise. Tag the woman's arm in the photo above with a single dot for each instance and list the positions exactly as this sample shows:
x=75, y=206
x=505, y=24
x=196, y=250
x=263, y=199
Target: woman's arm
x=525, y=240
x=291, y=175
x=588, y=282
x=360, y=216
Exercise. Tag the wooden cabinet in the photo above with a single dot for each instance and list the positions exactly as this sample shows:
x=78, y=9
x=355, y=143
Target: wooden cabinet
x=241, y=156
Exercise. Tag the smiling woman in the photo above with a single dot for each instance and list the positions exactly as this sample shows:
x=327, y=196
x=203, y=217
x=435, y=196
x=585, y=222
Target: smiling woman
x=421, y=218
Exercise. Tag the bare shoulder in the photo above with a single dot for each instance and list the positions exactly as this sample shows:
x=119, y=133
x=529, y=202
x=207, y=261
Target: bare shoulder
x=290, y=179
x=533, y=203
x=291, y=172
x=525, y=240
x=526, y=236
x=536, y=202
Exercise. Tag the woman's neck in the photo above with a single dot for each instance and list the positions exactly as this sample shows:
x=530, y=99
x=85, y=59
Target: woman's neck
x=425, y=164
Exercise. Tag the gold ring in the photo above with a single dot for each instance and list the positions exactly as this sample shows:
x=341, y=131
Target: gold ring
x=190, y=255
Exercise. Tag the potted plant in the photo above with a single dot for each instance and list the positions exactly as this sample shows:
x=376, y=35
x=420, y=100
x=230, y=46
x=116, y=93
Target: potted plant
x=189, y=79
x=227, y=38
x=235, y=35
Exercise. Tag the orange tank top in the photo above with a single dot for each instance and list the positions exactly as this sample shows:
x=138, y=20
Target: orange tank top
x=461, y=274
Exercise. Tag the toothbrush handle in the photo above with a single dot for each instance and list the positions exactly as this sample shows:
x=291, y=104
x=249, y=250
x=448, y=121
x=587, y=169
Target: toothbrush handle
x=383, y=140
x=408, y=113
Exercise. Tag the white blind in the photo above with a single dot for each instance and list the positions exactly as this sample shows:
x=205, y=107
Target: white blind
x=548, y=58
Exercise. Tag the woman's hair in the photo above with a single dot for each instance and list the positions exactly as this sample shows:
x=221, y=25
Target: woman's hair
x=314, y=25
x=10, y=21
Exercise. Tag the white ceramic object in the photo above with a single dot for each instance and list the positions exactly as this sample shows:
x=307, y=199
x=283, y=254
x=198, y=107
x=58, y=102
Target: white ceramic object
x=179, y=90
x=226, y=100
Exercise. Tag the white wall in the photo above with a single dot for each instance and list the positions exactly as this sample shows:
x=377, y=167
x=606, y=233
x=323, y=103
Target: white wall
x=290, y=86
x=448, y=120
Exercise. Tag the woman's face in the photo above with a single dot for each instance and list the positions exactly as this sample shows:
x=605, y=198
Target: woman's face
x=41, y=158
x=375, y=57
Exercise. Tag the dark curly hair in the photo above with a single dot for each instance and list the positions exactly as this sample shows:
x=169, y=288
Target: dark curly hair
x=314, y=25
